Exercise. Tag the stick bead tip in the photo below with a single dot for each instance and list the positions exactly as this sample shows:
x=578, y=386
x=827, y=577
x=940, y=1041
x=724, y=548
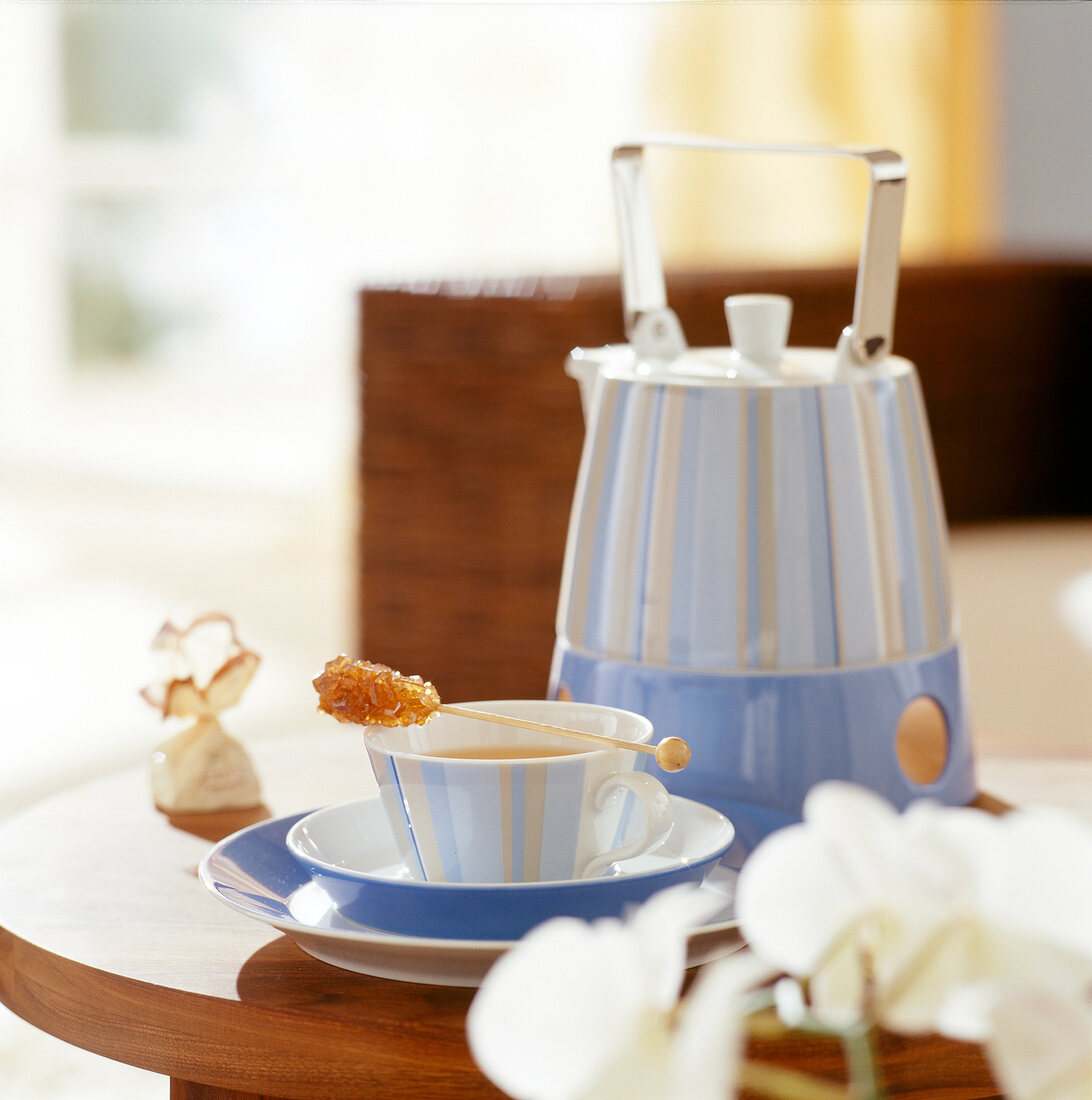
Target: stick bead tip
x=672, y=754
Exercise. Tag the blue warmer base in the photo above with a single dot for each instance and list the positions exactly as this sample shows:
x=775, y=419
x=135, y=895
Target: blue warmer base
x=760, y=741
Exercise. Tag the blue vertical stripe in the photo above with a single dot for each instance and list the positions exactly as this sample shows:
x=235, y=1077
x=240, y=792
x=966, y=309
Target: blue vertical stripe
x=518, y=788
x=927, y=473
x=596, y=626
x=644, y=520
x=686, y=520
x=560, y=825
x=443, y=826
x=630, y=801
x=903, y=510
x=792, y=542
x=394, y=801
x=753, y=564
x=850, y=529
x=580, y=544
x=821, y=551
x=656, y=608
x=712, y=542
x=482, y=857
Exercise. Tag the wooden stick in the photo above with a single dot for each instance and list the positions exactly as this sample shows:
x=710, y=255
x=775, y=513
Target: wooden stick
x=672, y=753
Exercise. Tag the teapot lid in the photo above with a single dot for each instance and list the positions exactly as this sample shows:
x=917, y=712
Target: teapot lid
x=758, y=326
x=758, y=329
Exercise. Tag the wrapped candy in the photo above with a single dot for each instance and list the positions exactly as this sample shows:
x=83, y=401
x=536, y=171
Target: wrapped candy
x=203, y=670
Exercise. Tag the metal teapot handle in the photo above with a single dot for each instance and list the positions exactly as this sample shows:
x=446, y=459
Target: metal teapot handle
x=654, y=329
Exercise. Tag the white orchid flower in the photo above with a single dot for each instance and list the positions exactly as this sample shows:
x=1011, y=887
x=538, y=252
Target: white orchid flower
x=1032, y=873
x=1030, y=925
x=579, y=1011
x=919, y=921
x=849, y=899
x=1041, y=1048
x=938, y=918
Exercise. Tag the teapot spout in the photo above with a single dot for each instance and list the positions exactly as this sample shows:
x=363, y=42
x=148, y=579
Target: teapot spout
x=585, y=369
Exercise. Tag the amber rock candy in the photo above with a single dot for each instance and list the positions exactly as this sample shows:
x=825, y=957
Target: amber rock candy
x=369, y=693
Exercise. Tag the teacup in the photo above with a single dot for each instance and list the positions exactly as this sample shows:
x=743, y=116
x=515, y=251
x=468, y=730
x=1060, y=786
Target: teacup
x=475, y=801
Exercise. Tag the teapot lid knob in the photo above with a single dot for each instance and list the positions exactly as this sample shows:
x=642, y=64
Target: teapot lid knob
x=758, y=326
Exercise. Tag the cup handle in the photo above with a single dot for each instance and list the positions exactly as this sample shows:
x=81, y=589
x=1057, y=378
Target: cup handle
x=659, y=815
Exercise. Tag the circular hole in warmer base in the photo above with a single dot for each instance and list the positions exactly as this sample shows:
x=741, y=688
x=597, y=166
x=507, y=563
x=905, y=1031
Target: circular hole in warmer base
x=921, y=740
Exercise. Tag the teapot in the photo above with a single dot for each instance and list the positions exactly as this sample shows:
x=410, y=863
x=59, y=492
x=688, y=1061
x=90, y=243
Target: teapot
x=757, y=555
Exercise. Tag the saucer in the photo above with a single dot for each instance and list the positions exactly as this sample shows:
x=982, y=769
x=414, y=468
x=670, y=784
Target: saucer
x=351, y=853
x=253, y=873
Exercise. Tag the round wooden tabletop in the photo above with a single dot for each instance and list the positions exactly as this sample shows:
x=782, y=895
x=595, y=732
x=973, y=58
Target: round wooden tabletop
x=109, y=941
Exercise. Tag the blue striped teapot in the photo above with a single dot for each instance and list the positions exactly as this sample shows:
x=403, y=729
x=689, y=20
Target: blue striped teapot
x=757, y=556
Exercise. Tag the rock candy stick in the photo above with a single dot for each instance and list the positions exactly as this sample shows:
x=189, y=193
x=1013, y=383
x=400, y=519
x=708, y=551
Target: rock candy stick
x=369, y=693
x=372, y=694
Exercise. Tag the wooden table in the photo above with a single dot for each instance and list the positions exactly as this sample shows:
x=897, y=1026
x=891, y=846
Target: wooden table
x=109, y=941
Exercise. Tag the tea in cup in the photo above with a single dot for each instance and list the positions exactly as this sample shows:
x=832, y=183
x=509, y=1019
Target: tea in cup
x=475, y=801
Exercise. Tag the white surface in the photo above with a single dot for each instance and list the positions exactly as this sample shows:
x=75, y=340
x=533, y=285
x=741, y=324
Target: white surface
x=1045, y=157
x=1025, y=624
x=88, y=573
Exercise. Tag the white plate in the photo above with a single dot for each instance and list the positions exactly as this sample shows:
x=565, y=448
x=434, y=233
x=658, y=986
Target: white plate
x=350, y=851
x=253, y=873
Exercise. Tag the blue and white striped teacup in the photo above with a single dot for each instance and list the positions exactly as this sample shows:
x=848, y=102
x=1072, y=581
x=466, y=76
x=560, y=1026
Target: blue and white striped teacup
x=475, y=801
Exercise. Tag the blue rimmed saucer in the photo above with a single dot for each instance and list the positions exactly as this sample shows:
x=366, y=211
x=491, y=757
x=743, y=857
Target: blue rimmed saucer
x=349, y=851
x=253, y=874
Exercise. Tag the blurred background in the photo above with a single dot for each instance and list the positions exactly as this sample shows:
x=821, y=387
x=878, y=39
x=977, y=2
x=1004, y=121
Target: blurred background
x=192, y=194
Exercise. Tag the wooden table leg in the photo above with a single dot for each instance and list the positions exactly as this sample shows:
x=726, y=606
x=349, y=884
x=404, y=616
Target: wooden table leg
x=191, y=1090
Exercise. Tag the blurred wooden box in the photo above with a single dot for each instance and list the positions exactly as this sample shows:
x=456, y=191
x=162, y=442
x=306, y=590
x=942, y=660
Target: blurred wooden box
x=472, y=432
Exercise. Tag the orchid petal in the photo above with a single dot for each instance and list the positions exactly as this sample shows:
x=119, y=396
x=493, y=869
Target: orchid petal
x=579, y=1010
x=838, y=990
x=557, y=1009
x=794, y=899
x=704, y=1059
x=638, y=1071
x=835, y=806
x=1042, y=1046
x=1047, y=891
x=661, y=927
